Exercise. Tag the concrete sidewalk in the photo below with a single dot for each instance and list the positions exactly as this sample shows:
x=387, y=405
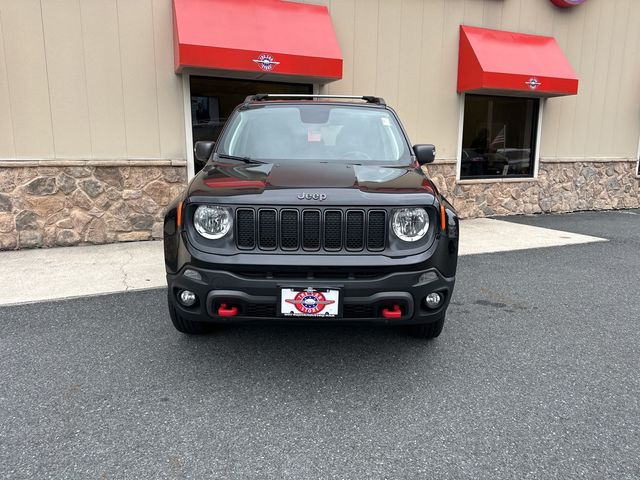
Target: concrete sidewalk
x=47, y=274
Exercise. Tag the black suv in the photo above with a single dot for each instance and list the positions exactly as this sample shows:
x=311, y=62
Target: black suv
x=311, y=208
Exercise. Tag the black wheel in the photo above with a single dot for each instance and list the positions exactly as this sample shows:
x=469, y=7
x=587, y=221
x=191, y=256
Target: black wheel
x=426, y=330
x=187, y=326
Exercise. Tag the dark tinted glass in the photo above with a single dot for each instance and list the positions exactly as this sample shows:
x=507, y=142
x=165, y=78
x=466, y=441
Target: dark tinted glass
x=498, y=137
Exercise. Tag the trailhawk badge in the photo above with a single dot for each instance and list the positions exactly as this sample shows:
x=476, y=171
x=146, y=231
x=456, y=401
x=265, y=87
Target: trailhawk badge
x=266, y=62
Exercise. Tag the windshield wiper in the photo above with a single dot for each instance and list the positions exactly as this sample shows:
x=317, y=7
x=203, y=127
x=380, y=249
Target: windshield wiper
x=238, y=158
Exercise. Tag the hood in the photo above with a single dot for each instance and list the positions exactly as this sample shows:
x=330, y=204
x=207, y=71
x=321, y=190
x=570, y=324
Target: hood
x=225, y=180
x=312, y=183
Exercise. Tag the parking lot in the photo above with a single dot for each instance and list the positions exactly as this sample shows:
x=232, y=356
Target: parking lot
x=535, y=376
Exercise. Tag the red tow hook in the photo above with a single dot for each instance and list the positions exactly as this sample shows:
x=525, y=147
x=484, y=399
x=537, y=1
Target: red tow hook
x=223, y=311
x=395, y=313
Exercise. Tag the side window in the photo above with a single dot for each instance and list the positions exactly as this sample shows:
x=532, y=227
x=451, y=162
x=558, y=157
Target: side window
x=498, y=136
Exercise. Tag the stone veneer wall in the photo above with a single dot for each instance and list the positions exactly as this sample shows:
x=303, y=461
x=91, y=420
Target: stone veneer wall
x=45, y=204
x=561, y=186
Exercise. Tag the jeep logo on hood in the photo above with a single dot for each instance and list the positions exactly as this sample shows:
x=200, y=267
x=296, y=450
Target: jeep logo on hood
x=312, y=196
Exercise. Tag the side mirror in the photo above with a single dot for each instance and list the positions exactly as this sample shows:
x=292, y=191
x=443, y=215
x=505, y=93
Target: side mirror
x=202, y=152
x=425, y=153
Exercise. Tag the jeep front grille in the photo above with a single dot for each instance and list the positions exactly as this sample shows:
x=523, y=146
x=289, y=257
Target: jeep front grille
x=267, y=230
x=246, y=229
x=332, y=230
x=289, y=237
x=354, y=238
x=310, y=229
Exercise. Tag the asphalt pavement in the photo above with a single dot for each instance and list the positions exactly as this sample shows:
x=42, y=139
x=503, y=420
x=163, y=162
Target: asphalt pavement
x=536, y=375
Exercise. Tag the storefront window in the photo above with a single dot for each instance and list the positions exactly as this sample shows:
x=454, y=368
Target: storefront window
x=213, y=100
x=499, y=136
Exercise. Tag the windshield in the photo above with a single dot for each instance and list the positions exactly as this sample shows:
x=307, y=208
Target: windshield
x=326, y=133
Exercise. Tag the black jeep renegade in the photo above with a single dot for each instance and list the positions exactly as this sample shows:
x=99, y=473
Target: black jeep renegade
x=311, y=208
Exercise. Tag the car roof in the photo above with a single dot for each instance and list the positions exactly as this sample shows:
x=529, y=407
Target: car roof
x=350, y=100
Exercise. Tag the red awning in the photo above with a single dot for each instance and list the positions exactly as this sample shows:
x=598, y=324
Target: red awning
x=256, y=39
x=493, y=61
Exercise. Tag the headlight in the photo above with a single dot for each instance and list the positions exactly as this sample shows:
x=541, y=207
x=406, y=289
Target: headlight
x=410, y=224
x=212, y=222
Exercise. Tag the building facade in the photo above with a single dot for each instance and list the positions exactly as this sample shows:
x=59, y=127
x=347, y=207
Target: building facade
x=101, y=100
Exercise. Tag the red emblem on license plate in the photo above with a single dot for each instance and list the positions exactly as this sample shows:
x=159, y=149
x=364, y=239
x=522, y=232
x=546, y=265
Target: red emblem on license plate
x=310, y=302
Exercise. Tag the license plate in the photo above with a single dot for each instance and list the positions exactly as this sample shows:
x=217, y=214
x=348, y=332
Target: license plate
x=309, y=302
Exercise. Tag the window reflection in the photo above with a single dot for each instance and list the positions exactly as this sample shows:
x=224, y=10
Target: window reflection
x=498, y=137
x=213, y=100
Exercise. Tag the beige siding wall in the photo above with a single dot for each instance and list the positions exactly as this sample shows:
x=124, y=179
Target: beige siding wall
x=93, y=79
x=407, y=52
x=89, y=79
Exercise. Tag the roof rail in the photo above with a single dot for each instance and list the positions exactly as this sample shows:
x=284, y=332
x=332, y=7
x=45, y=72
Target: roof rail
x=267, y=96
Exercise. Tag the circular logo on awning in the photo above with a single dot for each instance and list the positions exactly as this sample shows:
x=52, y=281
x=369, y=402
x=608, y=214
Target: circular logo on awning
x=266, y=62
x=533, y=83
x=567, y=3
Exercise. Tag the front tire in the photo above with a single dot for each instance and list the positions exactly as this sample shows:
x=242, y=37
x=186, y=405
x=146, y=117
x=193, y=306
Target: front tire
x=187, y=326
x=426, y=330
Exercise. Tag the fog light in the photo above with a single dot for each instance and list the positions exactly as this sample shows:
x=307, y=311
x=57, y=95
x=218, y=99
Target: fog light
x=433, y=300
x=187, y=298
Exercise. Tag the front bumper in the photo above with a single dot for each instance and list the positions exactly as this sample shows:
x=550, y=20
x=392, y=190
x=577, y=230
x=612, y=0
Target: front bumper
x=363, y=299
